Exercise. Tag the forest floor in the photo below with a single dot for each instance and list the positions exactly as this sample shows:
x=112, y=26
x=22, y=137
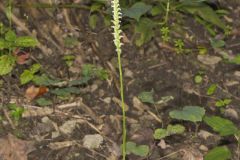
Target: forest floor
x=61, y=130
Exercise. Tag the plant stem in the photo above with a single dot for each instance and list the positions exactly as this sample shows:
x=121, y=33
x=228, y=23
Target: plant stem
x=118, y=44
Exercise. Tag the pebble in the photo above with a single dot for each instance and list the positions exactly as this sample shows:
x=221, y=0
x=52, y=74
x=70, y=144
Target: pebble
x=203, y=148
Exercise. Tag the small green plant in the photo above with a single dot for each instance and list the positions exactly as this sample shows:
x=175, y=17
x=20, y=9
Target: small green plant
x=139, y=150
x=223, y=102
x=165, y=34
x=170, y=130
x=9, y=41
x=28, y=74
x=179, y=46
x=189, y=113
x=15, y=111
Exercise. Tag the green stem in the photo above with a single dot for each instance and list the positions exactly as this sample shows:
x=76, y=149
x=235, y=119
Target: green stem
x=117, y=42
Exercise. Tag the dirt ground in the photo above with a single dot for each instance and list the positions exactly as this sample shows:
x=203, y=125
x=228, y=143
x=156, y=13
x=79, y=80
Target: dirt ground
x=96, y=110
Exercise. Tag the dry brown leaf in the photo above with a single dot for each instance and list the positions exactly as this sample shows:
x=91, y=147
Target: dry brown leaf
x=33, y=111
x=12, y=148
x=21, y=56
x=33, y=92
x=60, y=145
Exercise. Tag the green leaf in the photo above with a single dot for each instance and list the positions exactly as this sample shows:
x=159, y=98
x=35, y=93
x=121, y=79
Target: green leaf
x=130, y=146
x=7, y=63
x=223, y=103
x=137, y=10
x=218, y=153
x=175, y=129
x=44, y=80
x=4, y=44
x=217, y=43
x=145, y=29
x=189, y=113
x=205, y=12
x=28, y=74
x=171, y=130
x=10, y=36
x=146, y=97
x=211, y=90
x=43, y=102
x=93, y=21
x=223, y=126
x=141, y=150
x=160, y=133
x=25, y=41
x=198, y=79
x=26, y=77
x=35, y=68
x=65, y=91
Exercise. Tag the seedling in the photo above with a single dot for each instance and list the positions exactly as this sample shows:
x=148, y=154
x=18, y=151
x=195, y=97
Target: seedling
x=9, y=41
x=179, y=46
x=165, y=34
x=161, y=133
x=15, y=111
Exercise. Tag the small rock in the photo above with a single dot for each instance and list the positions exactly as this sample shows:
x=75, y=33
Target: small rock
x=203, y=148
x=128, y=73
x=204, y=134
x=107, y=100
x=231, y=113
x=92, y=141
x=209, y=60
x=237, y=74
x=162, y=144
x=94, y=87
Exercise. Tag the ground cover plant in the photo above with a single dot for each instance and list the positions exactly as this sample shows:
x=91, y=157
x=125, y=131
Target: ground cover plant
x=129, y=79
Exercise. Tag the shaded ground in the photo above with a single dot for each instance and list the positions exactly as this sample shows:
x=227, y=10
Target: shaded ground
x=154, y=66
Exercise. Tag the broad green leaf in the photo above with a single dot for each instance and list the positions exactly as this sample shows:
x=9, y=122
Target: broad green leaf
x=26, y=77
x=82, y=81
x=43, y=102
x=156, y=10
x=25, y=41
x=95, y=7
x=189, y=113
x=160, y=133
x=35, y=68
x=44, y=80
x=4, y=44
x=211, y=90
x=175, y=129
x=65, y=91
x=145, y=29
x=146, y=97
x=7, y=63
x=171, y=130
x=137, y=10
x=141, y=150
x=130, y=146
x=219, y=153
x=205, y=12
x=223, y=126
x=10, y=36
x=217, y=43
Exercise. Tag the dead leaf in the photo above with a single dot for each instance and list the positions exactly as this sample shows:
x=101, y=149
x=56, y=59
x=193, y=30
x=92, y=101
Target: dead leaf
x=12, y=148
x=209, y=60
x=69, y=126
x=33, y=111
x=21, y=56
x=60, y=145
x=191, y=154
x=33, y=92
